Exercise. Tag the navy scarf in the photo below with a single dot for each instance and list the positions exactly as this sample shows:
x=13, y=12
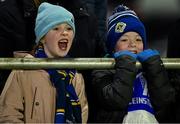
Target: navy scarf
x=68, y=108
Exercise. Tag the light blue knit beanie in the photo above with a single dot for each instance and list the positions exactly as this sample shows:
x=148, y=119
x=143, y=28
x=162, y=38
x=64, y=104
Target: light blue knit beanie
x=49, y=16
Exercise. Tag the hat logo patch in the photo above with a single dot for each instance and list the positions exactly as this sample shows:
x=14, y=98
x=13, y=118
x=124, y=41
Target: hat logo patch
x=120, y=26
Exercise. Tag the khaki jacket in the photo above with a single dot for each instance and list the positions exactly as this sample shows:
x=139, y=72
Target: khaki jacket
x=29, y=97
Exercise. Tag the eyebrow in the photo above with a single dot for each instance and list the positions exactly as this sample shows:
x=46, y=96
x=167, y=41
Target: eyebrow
x=135, y=35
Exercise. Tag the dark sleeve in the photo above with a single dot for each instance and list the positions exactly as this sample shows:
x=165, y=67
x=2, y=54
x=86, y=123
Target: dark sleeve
x=160, y=90
x=29, y=9
x=174, y=76
x=114, y=89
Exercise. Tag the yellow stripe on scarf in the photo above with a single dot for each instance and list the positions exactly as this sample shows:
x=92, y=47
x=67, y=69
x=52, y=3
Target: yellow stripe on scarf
x=75, y=103
x=60, y=110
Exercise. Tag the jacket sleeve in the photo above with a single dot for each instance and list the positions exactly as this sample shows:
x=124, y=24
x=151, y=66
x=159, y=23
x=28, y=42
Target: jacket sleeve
x=160, y=90
x=30, y=8
x=80, y=90
x=11, y=101
x=113, y=90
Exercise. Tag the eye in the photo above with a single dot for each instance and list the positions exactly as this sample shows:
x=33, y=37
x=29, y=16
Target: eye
x=139, y=39
x=124, y=40
x=56, y=28
x=69, y=28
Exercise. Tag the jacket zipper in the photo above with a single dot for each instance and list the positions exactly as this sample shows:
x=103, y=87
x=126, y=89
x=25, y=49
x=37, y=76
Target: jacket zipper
x=33, y=102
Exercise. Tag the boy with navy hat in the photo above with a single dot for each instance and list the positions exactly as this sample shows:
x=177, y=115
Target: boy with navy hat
x=127, y=94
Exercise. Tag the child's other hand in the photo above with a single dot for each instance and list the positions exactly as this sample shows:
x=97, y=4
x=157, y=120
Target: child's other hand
x=146, y=54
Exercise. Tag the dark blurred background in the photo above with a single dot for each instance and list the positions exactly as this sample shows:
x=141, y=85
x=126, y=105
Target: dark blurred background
x=158, y=16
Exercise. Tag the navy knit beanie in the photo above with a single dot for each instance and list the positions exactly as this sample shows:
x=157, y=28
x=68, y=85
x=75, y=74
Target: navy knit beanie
x=121, y=21
x=49, y=16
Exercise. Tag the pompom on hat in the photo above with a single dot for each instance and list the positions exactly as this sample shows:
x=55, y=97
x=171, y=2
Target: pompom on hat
x=49, y=16
x=121, y=21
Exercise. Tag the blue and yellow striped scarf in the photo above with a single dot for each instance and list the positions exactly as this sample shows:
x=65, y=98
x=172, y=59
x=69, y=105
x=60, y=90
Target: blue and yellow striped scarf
x=68, y=108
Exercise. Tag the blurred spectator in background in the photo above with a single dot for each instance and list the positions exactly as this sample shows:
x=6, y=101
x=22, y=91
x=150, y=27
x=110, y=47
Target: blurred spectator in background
x=173, y=48
x=99, y=9
x=17, y=29
x=173, y=51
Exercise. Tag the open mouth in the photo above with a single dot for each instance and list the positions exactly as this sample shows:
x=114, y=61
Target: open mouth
x=63, y=45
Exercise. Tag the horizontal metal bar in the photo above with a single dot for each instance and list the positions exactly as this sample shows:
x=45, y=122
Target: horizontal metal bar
x=68, y=63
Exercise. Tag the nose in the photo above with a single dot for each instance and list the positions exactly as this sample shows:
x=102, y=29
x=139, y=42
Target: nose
x=132, y=43
x=64, y=31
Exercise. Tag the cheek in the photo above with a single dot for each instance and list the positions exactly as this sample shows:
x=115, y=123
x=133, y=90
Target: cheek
x=71, y=40
x=51, y=36
x=70, y=43
x=50, y=44
x=120, y=47
x=140, y=48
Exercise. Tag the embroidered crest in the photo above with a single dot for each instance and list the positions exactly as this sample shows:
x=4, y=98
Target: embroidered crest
x=120, y=26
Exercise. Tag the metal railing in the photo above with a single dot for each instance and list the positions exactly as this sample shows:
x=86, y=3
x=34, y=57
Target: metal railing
x=69, y=63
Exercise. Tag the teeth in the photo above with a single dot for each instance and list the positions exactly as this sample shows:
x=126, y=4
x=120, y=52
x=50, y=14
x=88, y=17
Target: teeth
x=63, y=41
x=62, y=45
